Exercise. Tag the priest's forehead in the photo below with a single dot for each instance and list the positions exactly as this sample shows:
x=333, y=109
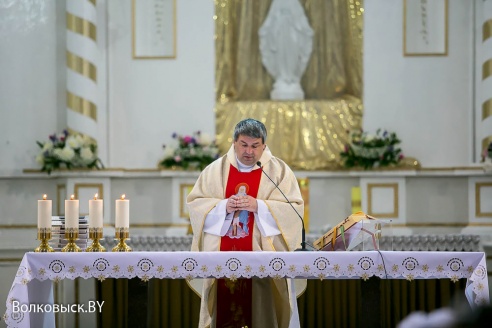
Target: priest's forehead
x=250, y=128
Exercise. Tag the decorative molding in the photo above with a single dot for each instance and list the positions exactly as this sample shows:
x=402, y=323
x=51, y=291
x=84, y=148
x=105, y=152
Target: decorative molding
x=61, y=192
x=184, y=190
x=478, y=199
x=79, y=186
x=394, y=187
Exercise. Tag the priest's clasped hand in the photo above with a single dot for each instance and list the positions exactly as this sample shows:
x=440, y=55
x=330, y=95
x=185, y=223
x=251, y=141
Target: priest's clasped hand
x=239, y=203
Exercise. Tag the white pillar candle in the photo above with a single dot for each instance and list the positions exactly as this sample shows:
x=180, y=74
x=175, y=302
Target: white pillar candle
x=72, y=213
x=44, y=213
x=95, y=212
x=122, y=213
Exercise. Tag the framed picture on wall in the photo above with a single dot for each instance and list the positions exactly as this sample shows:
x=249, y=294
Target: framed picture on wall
x=425, y=27
x=154, y=29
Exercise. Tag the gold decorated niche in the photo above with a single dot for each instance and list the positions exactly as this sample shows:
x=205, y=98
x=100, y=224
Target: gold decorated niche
x=307, y=134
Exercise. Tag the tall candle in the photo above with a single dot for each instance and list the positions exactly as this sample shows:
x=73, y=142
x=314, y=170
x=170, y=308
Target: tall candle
x=95, y=212
x=72, y=213
x=44, y=213
x=122, y=213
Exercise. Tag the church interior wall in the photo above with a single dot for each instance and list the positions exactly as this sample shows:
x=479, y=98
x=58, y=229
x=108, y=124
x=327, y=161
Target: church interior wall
x=151, y=99
x=427, y=101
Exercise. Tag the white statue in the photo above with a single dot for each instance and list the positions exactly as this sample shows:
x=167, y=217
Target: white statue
x=286, y=43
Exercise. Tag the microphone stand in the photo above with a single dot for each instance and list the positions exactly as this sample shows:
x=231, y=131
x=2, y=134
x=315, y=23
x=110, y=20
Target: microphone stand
x=303, y=242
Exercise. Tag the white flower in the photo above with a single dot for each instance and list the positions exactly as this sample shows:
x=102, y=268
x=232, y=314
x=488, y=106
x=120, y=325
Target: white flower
x=86, y=154
x=74, y=142
x=168, y=152
x=65, y=154
x=40, y=159
x=48, y=145
x=86, y=140
x=205, y=139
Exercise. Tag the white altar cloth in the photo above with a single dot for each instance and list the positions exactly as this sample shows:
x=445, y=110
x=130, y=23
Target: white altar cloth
x=33, y=281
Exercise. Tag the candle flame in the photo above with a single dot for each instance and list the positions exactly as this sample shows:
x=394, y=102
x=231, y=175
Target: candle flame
x=72, y=197
x=45, y=197
x=95, y=196
x=123, y=196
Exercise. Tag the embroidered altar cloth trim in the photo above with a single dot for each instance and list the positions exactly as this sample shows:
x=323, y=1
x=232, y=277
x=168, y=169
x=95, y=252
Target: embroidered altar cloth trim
x=233, y=265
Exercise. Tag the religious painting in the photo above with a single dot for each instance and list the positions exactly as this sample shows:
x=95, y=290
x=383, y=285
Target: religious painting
x=154, y=29
x=425, y=27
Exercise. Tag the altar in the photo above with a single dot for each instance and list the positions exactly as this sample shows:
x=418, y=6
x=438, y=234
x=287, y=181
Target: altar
x=30, y=300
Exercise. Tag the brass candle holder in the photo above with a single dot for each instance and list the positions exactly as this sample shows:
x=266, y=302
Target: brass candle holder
x=44, y=234
x=71, y=234
x=95, y=234
x=122, y=234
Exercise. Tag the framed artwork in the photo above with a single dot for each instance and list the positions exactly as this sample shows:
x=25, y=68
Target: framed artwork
x=425, y=27
x=154, y=29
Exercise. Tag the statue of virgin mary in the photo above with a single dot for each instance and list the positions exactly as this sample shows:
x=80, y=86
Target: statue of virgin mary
x=286, y=42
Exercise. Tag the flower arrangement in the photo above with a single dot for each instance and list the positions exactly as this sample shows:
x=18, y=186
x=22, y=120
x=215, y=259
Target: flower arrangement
x=194, y=151
x=69, y=151
x=369, y=151
x=487, y=153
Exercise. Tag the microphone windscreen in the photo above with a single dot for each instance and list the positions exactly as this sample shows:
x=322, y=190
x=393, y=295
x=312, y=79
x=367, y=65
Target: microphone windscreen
x=258, y=163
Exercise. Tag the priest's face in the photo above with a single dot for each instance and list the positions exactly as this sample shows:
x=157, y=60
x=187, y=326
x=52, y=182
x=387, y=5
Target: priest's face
x=249, y=150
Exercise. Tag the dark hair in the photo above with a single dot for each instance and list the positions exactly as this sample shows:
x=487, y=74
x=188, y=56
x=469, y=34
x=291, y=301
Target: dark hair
x=250, y=128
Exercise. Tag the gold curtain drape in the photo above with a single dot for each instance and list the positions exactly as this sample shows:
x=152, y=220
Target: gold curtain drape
x=335, y=67
x=332, y=81
x=325, y=303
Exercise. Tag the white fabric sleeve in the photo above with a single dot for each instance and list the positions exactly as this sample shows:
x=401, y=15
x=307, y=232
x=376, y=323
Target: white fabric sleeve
x=265, y=221
x=218, y=221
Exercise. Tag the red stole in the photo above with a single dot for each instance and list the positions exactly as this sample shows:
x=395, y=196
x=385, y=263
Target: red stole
x=234, y=298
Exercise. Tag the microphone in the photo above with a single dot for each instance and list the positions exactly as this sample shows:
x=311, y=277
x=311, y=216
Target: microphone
x=303, y=242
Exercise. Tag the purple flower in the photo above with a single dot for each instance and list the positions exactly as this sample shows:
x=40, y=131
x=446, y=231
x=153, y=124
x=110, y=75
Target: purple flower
x=198, y=132
x=65, y=132
x=187, y=139
x=385, y=133
x=174, y=135
x=53, y=137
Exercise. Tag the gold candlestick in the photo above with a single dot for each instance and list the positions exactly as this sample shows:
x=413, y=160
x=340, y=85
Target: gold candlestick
x=122, y=234
x=71, y=234
x=44, y=234
x=95, y=234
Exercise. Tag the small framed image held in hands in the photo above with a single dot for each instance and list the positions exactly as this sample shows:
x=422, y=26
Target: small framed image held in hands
x=154, y=29
x=425, y=27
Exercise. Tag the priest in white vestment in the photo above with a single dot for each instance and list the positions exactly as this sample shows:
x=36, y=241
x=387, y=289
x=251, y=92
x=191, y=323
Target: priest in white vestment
x=214, y=205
